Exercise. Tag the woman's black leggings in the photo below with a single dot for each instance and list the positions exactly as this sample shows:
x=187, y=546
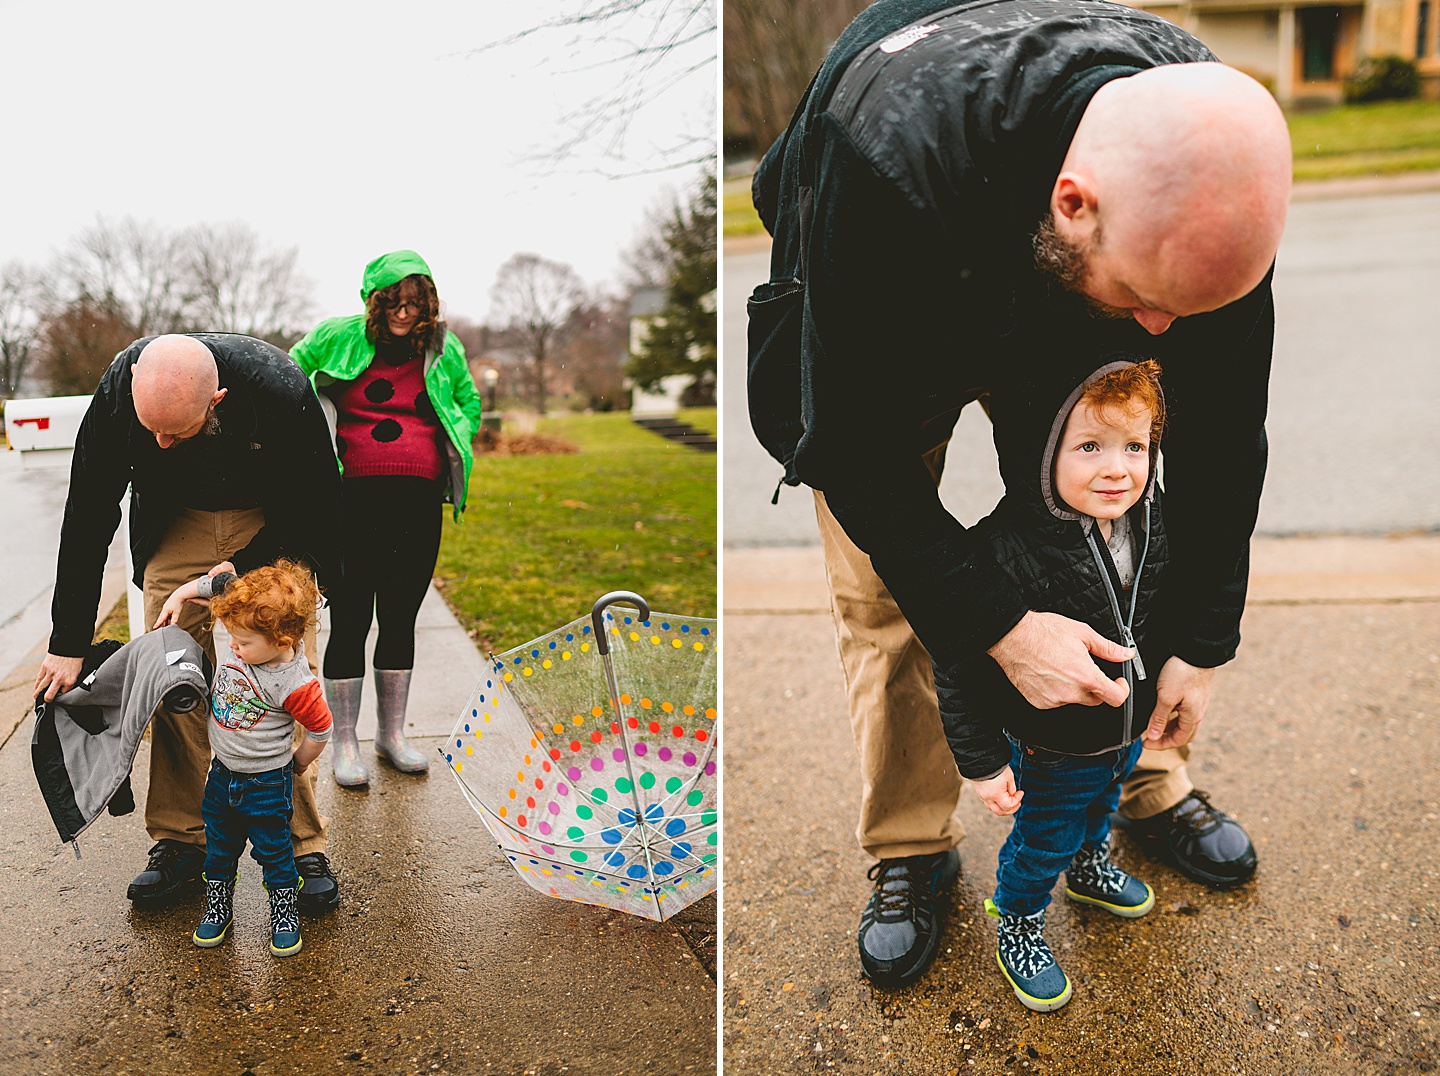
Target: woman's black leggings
x=390, y=535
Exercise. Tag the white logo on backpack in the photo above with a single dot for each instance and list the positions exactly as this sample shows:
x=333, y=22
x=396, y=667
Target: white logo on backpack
x=906, y=37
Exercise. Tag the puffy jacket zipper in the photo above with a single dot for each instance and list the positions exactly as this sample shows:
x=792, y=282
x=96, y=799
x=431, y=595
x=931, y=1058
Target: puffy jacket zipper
x=1134, y=668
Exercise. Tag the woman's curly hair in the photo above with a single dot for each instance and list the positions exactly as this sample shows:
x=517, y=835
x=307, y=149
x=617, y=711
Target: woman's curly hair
x=428, y=332
x=277, y=601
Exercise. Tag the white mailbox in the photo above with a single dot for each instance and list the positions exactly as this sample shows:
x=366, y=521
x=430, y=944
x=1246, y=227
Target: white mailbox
x=35, y=425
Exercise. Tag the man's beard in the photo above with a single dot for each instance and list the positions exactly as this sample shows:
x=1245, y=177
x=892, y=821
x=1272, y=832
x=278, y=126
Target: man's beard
x=209, y=428
x=1065, y=265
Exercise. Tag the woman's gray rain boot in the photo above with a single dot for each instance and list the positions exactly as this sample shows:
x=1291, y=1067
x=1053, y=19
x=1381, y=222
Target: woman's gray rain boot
x=344, y=699
x=392, y=689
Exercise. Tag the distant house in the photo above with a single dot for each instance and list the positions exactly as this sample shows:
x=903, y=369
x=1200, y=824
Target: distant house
x=646, y=305
x=1304, y=49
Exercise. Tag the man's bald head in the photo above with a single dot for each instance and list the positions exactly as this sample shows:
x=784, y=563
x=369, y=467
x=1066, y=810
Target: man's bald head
x=176, y=385
x=1175, y=186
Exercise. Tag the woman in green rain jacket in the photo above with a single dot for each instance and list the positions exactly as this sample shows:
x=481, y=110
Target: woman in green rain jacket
x=404, y=410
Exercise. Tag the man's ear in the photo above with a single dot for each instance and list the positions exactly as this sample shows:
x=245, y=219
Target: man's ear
x=219, y=395
x=1074, y=203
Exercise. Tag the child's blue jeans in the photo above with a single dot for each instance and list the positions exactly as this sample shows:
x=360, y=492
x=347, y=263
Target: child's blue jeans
x=1067, y=803
x=253, y=806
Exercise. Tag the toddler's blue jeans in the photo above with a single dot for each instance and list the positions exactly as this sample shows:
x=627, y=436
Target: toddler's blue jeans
x=253, y=806
x=1067, y=803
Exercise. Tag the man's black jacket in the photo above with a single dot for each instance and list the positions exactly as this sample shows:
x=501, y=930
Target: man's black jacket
x=272, y=451
x=903, y=200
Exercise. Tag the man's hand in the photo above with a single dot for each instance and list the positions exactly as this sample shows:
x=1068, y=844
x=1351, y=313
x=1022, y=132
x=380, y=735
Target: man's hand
x=1182, y=694
x=999, y=792
x=57, y=675
x=1047, y=658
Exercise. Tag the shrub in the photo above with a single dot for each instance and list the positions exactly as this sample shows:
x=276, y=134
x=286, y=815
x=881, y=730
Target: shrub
x=1383, y=78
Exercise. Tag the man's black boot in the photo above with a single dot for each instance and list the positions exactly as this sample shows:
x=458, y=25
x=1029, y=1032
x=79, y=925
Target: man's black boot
x=901, y=926
x=174, y=866
x=321, y=891
x=1198, y=840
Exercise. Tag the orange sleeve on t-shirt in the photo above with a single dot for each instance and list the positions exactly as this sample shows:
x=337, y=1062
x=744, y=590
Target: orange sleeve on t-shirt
x=307, y=705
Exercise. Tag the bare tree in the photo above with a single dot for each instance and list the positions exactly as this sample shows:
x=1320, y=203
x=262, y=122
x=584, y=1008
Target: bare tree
x=473, y=335
x=77, y=342
x=600, y=331
x=235, y=285
x=645, y=263
x=649, y=48
x=532, y=302
x=21, y=302
x=132, y=269
x=772, y=48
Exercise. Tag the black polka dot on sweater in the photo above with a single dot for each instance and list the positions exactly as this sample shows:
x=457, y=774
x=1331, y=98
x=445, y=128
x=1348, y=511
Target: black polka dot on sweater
x=379, y=390
x=386, y=430
x=340, y=446
x=424, y=408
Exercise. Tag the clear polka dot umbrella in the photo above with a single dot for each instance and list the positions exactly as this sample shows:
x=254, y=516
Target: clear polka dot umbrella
x=591, y=754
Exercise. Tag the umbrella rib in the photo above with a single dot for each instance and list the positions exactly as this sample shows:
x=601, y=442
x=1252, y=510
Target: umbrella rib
x=625, y=744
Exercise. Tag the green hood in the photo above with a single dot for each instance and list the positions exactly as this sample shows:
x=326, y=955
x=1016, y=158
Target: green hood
x=391, y=269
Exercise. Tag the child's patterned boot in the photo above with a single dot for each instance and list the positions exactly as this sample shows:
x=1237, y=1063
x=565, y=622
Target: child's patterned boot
x=219, y=911
x=1026, y=961
x=284, y=921
x=1093, y=879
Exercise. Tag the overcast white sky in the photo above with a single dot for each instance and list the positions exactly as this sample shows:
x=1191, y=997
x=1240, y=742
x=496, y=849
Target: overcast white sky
x=343, y=129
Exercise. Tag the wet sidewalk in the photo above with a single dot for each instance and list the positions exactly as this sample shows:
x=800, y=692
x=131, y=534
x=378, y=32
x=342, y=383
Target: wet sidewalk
x=438, y=959
x=1323, y=738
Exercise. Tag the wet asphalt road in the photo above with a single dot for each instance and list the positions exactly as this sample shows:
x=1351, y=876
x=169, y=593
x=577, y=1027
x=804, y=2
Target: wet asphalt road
x=1355, y=289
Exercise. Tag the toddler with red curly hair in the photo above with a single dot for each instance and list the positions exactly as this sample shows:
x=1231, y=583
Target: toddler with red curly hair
x=1079, y=533
x=255, y=702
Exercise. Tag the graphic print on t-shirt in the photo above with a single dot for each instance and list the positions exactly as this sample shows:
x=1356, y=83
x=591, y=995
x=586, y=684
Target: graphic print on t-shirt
x=235, y=702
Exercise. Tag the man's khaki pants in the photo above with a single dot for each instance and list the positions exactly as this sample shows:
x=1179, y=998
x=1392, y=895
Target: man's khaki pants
x=910, y=786
x=180, y=744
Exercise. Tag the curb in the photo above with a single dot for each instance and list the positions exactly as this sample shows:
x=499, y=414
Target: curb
x=1300, y=570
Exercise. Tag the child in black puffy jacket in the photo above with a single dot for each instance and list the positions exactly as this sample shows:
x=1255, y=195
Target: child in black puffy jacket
x=1079, y=533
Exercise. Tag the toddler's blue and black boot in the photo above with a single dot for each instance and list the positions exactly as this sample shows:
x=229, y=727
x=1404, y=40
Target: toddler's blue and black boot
x=219, y=911
x=285, y=919
x=1027, y=962
x=1094, y=879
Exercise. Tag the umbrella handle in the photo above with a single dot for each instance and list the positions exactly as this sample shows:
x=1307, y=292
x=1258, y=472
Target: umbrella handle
x=602, y=640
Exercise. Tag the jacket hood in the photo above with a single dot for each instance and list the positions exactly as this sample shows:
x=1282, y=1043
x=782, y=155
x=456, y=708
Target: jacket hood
x=1029, y=406
x=1057, y=507
x=391, y=269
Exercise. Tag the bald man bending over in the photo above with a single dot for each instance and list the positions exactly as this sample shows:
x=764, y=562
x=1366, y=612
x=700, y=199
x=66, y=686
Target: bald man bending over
x=1005, y=183
x=230, y=465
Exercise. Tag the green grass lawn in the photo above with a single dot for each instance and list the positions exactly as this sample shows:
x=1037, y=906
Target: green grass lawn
x=544, y=536
x=1372, y=139
x=702, y=418
x=740, y=215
